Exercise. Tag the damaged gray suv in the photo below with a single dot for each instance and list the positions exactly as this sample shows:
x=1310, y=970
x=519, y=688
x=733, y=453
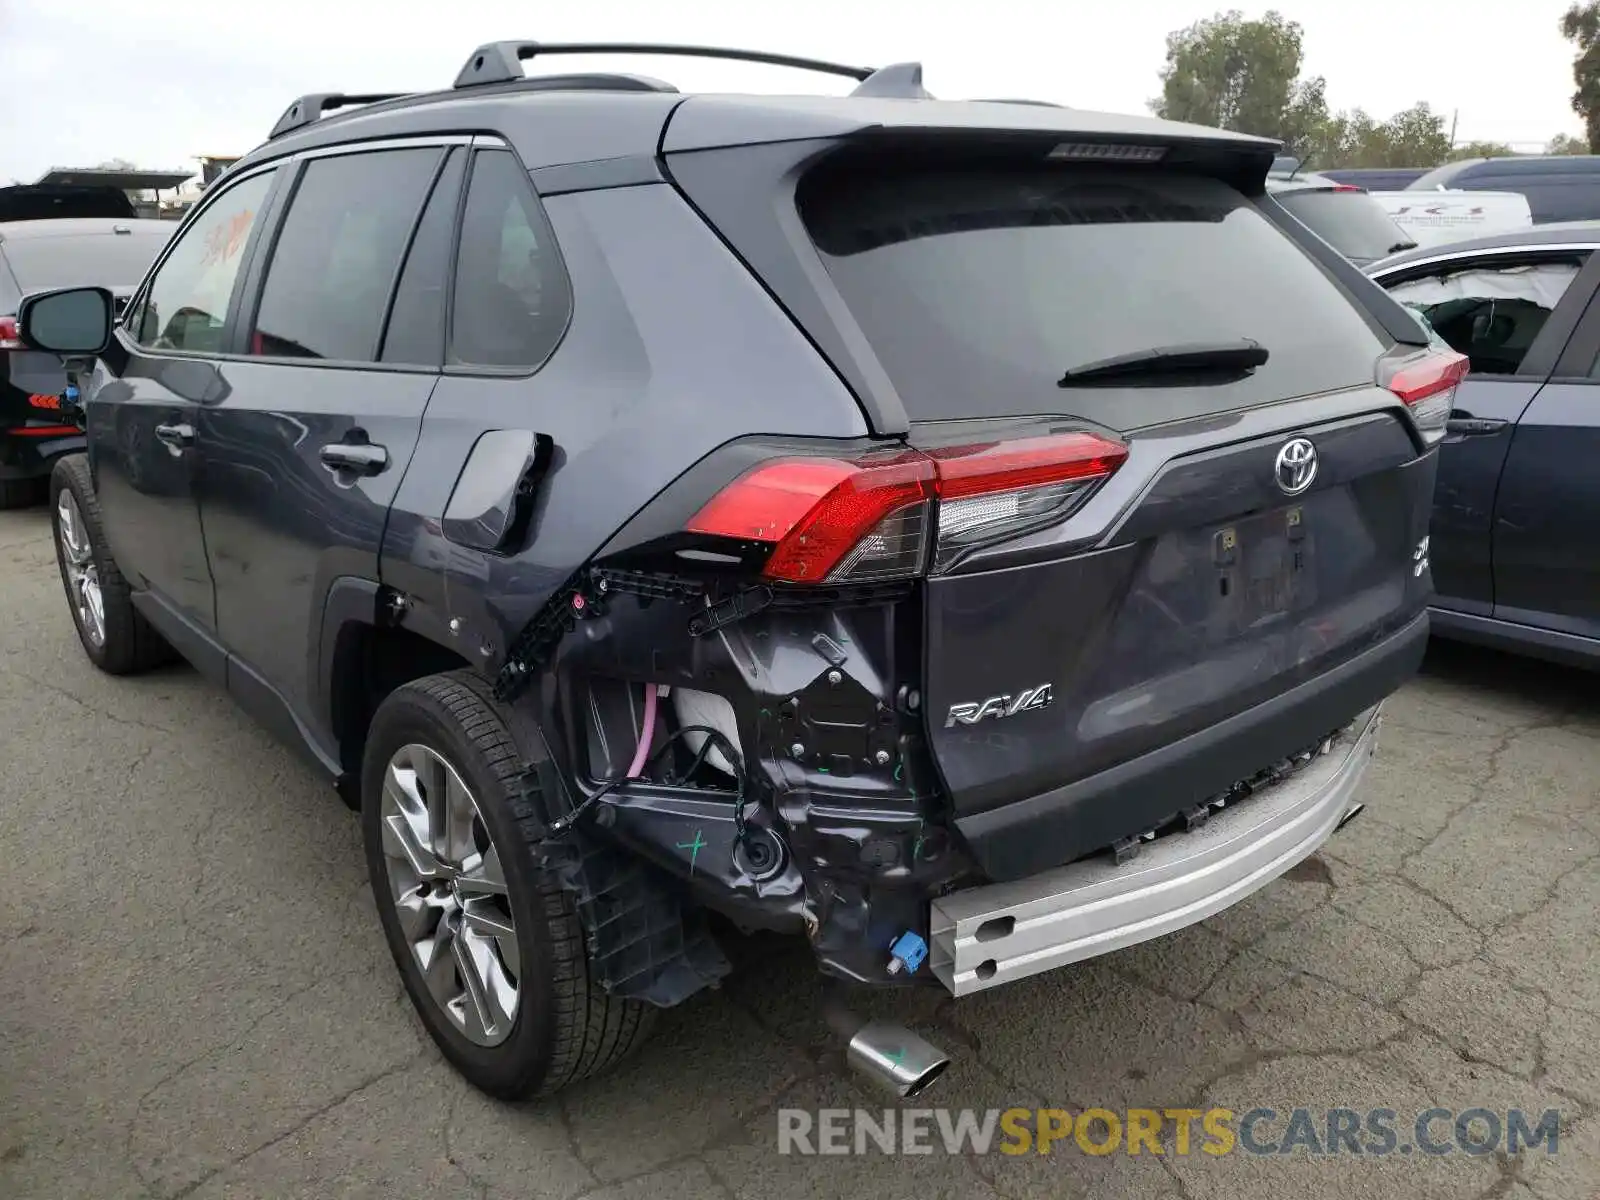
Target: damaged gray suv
x=968, y=536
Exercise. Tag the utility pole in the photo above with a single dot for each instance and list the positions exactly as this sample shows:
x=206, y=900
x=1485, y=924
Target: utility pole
x=1455, y=115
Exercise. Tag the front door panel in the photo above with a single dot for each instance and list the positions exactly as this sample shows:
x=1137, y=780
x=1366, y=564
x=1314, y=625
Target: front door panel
x=1547, y=519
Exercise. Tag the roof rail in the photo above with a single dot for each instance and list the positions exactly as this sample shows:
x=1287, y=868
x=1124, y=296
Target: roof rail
x=501, y=62
x=310, y=108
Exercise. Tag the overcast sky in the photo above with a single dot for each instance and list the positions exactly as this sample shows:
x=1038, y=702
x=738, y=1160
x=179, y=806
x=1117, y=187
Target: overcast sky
x=158, y=82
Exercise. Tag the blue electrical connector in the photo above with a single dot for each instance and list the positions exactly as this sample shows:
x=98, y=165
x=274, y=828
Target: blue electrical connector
x=907, y=953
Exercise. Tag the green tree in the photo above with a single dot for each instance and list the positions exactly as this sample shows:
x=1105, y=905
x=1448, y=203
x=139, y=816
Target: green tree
x=1581, y=26
x=1564, y=143
x=1415, y=137
x=1481, y=150
x=1242, y=74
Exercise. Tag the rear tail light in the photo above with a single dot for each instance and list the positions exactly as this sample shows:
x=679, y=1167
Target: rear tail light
x=1427, y=384
x=10, y=335
x=834, y=520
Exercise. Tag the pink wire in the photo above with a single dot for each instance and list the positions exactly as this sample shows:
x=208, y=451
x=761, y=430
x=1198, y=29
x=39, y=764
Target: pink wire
x=647, y=734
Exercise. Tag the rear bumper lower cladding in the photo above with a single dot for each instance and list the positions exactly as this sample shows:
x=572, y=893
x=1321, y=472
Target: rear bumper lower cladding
x=985, y=936
x=27, y=454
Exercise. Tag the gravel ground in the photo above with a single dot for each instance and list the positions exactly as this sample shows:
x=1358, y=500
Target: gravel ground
x=195, y=999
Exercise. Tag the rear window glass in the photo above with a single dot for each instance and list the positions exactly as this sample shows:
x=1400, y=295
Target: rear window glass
x=1353, y=223
x=112, y=260
x=978, y=288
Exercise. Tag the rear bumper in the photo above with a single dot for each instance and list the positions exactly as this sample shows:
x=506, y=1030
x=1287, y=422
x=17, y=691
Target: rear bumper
x=30, y=457
x=1021, y=839
x=986, y=936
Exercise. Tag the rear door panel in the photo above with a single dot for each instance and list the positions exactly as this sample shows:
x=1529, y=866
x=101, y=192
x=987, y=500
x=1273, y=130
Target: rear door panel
x=1548, y=504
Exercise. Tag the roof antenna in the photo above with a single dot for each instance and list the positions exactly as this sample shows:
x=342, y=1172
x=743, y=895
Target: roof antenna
x=898, y=81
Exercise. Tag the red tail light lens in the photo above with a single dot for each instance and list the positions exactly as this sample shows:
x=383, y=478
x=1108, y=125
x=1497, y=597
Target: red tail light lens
x=829, y=519
x=837, y=520
x=1427, y=385
x=10, y=335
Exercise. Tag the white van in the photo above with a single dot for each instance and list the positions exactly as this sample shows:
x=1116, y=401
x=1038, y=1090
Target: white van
x=1432, y=218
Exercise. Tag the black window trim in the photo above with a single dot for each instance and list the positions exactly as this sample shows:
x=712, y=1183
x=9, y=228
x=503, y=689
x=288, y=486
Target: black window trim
x=267, y=216
x=494, y=143
x=1548, y=350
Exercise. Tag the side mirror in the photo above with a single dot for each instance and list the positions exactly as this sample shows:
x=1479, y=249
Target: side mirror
x=68, y=321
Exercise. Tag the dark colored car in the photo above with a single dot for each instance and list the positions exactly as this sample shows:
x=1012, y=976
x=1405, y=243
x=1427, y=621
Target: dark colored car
x=1559, y=187
x=1345, y=217
x=57, y=201
x=38, y=251
x=894, y=523
x=1518, y=500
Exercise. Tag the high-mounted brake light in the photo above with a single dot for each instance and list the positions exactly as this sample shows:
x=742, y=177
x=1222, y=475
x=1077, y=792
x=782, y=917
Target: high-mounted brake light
x=851, y=520
x=1108, y=152
x=10, y=334
x=1347, y=187
x=1427, y=385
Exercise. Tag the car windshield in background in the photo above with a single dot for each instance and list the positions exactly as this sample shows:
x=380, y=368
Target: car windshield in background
x=113, y=260
x=979, y=288
x=1353, y=223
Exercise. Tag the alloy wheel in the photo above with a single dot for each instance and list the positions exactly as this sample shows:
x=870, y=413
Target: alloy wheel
x=83, y=577
x=449, y=891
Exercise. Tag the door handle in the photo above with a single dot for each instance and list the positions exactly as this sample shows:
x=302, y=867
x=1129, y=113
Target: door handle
x=176, y=438
x=360, y=458
x=1474, y=426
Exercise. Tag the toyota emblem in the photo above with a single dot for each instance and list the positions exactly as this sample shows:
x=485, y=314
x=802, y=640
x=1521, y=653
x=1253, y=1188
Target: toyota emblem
x=1296, y=466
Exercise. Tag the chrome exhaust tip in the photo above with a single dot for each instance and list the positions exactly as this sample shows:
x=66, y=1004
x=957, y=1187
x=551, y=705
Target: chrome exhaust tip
x=895, y=1059
x=1355, y=811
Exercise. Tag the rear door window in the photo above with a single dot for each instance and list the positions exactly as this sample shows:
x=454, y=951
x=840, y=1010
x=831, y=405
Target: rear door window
x=338, y=253
x=979, y=288
x=1352, y=222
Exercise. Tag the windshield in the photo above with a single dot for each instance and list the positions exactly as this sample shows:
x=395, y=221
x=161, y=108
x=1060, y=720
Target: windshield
x=978, y=288
x=1353, y=223
x=111, y=260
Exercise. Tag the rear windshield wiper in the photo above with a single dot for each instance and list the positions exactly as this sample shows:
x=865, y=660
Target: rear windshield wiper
x=1192, y=358
x=1398, y=247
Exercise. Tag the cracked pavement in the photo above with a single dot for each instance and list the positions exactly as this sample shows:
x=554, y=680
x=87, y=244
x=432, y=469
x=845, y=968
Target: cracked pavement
x=196, y=1001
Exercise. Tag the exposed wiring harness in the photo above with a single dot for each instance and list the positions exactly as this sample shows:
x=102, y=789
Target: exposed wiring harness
x=714, y=739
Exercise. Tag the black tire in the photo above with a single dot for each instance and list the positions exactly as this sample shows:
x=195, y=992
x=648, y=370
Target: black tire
x=566, y=1027
x=22, y=493
x=131, y=645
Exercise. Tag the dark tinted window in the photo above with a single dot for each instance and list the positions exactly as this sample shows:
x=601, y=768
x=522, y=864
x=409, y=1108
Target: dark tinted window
x=1353, y=223
x=415, y=333
x=113, y=260
x=511, y=297
x=187, y=303
x=337, y=255
x=50, y=202
x=979, y=288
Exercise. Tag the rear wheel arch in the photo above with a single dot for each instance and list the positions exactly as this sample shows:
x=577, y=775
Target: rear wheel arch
x=361, y=661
